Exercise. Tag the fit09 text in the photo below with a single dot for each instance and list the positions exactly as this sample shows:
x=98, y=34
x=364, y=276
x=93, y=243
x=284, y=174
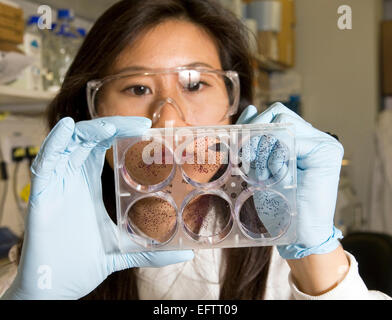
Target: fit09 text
x=200, y=309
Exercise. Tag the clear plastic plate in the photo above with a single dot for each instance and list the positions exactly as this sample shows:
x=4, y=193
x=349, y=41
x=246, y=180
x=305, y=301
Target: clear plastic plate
x=206, y=187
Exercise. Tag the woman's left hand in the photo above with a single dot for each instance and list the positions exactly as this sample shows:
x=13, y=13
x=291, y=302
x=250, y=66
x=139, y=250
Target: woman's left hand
x=319, y=158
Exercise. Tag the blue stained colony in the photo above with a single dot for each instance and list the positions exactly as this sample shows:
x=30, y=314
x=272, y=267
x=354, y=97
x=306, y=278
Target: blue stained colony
x=265, y=160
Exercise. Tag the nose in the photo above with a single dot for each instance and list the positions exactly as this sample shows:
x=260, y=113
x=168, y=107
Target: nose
x=167, y=113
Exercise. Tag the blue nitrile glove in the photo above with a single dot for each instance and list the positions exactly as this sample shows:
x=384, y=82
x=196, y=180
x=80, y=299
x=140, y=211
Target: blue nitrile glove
x=70, y=243
x=319, y=158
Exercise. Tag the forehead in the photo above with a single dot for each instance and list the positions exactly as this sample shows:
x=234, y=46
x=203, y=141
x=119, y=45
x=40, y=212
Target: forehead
x=170, y=44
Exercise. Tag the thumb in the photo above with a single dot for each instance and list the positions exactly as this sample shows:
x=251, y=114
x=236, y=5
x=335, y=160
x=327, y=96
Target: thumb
x=150, y=259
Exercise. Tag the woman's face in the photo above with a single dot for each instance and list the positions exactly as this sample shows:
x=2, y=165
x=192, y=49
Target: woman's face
x=173, y=43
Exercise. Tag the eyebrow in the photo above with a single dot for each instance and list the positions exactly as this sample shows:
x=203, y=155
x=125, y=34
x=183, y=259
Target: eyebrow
x=139, y=68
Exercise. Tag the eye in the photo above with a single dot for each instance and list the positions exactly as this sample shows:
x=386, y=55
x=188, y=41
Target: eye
x=195, y=86
x=138, y=90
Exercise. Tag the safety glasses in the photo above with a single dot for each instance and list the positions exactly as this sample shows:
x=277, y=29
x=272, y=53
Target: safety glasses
x=199, y=96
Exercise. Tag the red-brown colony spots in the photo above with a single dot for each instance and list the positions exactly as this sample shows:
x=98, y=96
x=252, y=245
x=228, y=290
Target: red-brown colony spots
x=206, y=215
x=146, y=173
x=203, y=159
x=154, y=217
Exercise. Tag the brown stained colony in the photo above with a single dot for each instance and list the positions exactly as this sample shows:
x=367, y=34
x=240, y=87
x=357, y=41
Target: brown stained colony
x=203, y=159
x=145, y=173
x=250, y=218
x=154, y=217
x=206, y=215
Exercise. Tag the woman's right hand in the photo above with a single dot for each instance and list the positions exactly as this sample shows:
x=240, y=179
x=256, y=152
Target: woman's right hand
x=70, y=243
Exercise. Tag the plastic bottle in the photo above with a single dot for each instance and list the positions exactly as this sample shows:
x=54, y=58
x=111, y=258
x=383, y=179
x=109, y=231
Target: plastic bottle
x=65, y=45
x=49, y=57
x=31, y=78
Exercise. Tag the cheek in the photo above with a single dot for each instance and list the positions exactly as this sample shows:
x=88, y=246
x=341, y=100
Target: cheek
x=111, y=102
x=225, y=122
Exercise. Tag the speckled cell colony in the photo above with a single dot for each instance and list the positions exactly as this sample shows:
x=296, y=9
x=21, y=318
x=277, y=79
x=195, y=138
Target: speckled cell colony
x=202, y=194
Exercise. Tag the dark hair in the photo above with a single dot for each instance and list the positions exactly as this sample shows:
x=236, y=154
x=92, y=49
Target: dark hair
x=245, y=276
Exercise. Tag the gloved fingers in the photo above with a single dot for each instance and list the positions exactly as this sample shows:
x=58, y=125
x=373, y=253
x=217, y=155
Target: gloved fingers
x=314, y=148
x=247, y=115
x=278, y=159
x=272, y=161
x=324, y=156
x=87, y=135
x=53, y=148
x=128, y=126
x=265, y=158
x=150, y=259
x=254, y=156
x=248, y=152
x=125, y=127
x=277, y=108
x=119, y=261
x=100, y=133
x=278, y=163
x=263, y=152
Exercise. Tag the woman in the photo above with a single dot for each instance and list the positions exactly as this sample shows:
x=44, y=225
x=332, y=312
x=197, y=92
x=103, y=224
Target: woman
x=64, y=254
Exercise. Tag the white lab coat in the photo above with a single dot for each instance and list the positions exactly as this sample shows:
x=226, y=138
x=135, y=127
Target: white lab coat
x=198, y=279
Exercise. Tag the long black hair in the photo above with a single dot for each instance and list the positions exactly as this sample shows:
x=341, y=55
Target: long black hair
x=247, y=268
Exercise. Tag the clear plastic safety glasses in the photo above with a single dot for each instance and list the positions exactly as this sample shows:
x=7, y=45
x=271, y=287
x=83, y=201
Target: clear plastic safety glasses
x=199, y=96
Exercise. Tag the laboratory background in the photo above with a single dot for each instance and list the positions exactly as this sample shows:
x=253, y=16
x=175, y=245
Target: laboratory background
x=330, y=61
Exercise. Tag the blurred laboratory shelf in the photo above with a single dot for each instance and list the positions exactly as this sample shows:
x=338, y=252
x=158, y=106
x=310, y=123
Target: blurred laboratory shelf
x=14, y=96
x=267, y=64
